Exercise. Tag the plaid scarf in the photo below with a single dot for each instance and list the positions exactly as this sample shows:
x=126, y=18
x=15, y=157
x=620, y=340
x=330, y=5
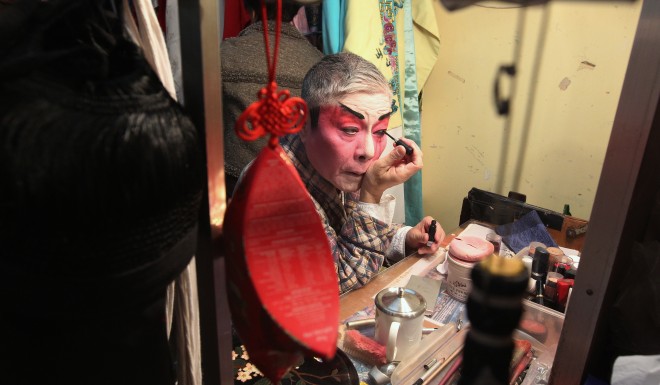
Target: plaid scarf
x=357, y=240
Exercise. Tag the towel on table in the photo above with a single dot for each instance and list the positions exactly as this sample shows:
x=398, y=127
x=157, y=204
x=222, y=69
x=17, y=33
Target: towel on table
x=527, y=229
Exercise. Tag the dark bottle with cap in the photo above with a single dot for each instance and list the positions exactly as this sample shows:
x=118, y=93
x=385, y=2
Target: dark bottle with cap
x=494, y=308
x=561, y=268
x=539, y=272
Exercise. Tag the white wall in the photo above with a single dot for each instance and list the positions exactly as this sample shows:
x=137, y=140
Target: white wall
x=571, y=57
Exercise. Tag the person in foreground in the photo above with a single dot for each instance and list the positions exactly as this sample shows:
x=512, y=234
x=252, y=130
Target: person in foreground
x=338, y=157
x=102, y=178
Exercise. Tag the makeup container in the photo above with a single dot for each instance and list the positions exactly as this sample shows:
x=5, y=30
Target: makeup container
x=562, y=268
x=563, y=286
x=464, y=253
x=496, y=240
x=555, y=256
x=571, y=273
x=573, y=261
x=533, y=246
x=539, y=273
x=550, y=289
x=458, y=278
x=527, y=262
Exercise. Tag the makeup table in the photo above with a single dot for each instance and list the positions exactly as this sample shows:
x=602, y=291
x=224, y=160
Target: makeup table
x=357, y=300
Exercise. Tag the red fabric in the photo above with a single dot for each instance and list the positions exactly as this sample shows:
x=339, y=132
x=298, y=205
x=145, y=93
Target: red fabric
x=521, y=348
x=452, y=370
x=160, y=15
x=517, y=371
x=533, y=328
x=236, y=18
x=364, y=348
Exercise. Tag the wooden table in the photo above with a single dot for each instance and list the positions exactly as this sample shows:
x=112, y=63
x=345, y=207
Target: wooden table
x=360, y=298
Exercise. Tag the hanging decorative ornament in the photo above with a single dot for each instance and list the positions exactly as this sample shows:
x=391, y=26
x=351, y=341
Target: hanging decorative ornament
x=281, y=280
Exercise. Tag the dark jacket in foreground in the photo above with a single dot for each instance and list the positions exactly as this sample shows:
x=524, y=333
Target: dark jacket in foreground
x=245, y=72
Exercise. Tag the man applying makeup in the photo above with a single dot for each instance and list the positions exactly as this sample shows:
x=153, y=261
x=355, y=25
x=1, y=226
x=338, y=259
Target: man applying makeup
x=338, y=158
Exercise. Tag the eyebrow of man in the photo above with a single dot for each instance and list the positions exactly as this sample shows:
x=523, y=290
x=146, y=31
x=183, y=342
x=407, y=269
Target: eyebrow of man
x=385, y=115
x=360, y=116
x=357, y=114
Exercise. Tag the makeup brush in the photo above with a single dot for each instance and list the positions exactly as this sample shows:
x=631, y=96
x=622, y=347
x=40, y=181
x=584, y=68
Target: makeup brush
x=409, y=150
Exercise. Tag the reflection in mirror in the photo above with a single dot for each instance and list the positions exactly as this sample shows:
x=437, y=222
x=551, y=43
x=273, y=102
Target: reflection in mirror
x=570, y=59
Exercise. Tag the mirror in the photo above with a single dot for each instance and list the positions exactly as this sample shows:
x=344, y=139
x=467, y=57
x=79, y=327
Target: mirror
x=570, y=60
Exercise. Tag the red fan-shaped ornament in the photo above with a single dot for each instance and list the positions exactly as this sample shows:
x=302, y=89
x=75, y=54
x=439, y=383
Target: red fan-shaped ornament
x=281, y=280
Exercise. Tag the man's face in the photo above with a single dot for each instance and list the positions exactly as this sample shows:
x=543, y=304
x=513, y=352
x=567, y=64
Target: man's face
x=349, y=137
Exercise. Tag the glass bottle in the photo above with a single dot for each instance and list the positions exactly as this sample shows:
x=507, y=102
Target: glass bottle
x=539, y=272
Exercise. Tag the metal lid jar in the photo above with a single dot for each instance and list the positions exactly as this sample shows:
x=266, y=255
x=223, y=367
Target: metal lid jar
x=400, y=302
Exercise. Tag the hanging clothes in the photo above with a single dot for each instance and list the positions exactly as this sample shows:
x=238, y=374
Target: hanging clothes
x=160, y=7
x=414, y=212
x=236, y=18
x=333, y=15
x=371, y=32
x=427, y=39
x=181, y=309
x=145, y=31
x=173, y=43
x=375, y=32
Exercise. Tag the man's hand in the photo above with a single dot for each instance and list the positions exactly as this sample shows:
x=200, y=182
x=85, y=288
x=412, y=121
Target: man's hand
x=390, y=170
x=418, y=236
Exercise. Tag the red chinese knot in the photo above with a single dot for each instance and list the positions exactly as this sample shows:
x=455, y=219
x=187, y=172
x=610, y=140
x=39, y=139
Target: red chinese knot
x=275, y=112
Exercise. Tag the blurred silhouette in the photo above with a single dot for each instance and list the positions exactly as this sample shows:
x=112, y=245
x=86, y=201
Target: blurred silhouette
x=101, y=184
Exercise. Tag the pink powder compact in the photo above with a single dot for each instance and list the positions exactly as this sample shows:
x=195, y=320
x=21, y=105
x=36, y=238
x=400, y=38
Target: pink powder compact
x=464, y=252
x=470, y=249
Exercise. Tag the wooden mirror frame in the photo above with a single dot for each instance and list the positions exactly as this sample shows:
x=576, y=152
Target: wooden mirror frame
x=628, y=186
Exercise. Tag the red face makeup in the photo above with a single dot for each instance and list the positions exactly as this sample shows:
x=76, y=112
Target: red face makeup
x=349, y=137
